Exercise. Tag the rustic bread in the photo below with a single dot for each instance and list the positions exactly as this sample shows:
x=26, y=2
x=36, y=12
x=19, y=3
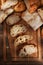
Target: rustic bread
x=12, y=19
x=28, y=50
x=32, y=5
x=4, y=14
x=20, y=7
x=22, y=39
x=33, y=19
x=8, y=11
x=17, y=29
x=8, y=3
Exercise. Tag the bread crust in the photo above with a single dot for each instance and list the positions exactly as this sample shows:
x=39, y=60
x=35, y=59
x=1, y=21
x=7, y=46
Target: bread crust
x=20, y=7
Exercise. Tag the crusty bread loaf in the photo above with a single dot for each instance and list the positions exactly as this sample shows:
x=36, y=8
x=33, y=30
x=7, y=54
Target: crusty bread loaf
x=28, y=51
x=20, y=7
x=17, y=29
x=32, y=5
x=12, y=19
x=22, y=39
x=40, y=11
x=4, y=14
x=8, y=4
x=33, y=19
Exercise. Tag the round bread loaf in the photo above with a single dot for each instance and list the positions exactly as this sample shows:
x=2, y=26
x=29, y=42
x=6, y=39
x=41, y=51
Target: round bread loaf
x=20, y=7
x=8, y=4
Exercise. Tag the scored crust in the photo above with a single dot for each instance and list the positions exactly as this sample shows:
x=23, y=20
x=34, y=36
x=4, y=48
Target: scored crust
x=20, y=7
x=22, y=39
x=18, y=29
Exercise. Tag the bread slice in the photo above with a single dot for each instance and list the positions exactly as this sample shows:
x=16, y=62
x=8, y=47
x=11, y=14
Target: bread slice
x=40, y=12
x=8, y=4
x=12, y=19
x=33, y=19
x=22, y=39
x=28, y=51
x=17, y=30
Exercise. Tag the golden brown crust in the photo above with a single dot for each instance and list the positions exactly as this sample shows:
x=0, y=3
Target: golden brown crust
x=34, y=4
x=20, y=7
x=33, y=8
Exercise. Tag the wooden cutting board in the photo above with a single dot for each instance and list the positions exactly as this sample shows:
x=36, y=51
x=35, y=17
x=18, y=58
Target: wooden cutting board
x=7, y=50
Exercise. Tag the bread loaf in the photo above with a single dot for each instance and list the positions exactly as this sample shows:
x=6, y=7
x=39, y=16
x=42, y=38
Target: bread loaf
x=20, y=7
x=8, y=4
x=33, y=19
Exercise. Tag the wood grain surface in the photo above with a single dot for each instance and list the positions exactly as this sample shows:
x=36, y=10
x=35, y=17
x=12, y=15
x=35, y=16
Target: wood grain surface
x=7, y=49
